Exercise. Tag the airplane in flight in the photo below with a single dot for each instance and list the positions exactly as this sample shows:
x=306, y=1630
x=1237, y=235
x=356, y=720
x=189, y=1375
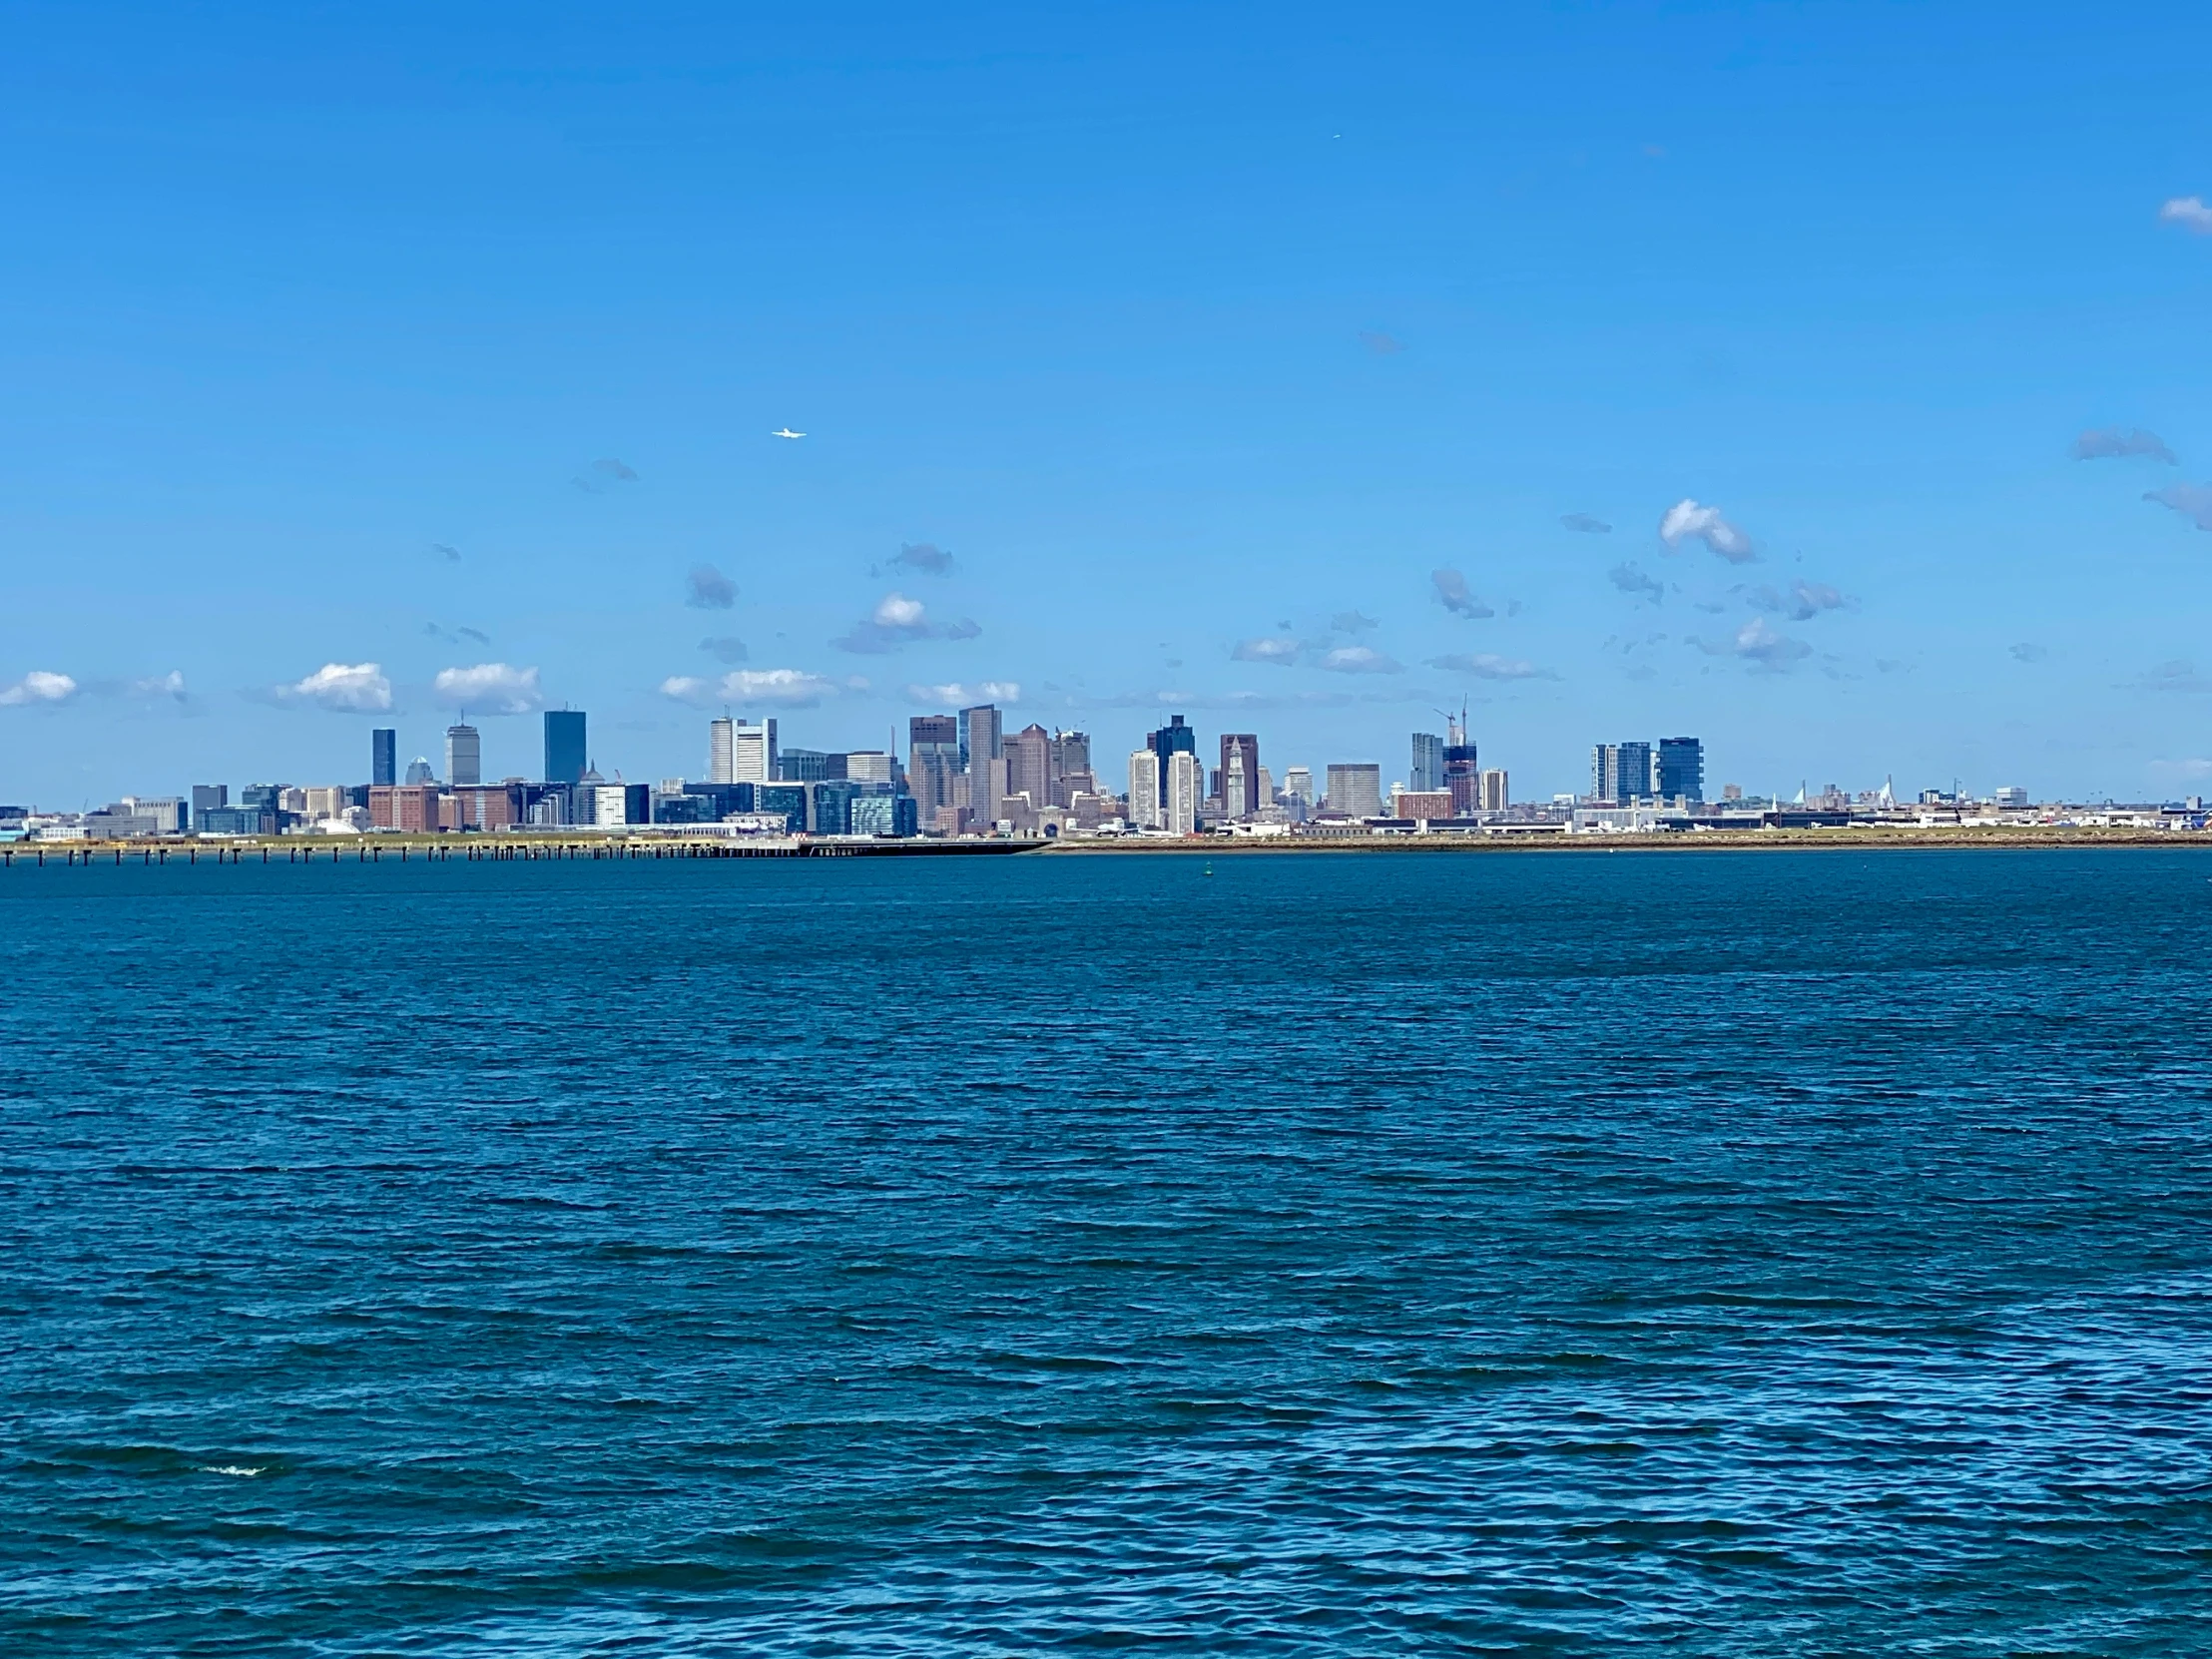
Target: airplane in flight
x=786, y=433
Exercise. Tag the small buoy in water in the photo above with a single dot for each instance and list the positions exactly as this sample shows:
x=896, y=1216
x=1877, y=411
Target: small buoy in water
x=1210, y=871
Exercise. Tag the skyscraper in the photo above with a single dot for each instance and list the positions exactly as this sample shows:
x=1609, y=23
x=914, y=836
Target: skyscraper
x=1461, y=776
x=981, y=739
x=754, y=757
x=383, y=756
x=1071, y=765
x=1429, y=763
x=1495, y=795
x=1356, y=791
x=720, y=752
x=566, y=756
x=1174, y=738
x=1681, y=768
x=464, y=756
x=1239, y=775
x=933, y=762
x=1144, y=789
x=1029, y=765
x=1185, y=787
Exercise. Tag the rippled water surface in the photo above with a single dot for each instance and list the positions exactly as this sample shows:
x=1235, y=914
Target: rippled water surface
x=1706, y=1254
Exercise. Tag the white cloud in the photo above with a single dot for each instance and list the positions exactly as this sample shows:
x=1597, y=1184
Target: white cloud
x=489, y=689
x=988, y=691
x=788, y=688
x=2192, y=501
x=38, y=686
x=898, y=620
x=1687, y=519
x=170, y=684
x=1360, y=659
x=2189, y=212
x=1803, y=601
x=1756, y=642
x=1485, y=665
x=1276, y=648
x=356, y=689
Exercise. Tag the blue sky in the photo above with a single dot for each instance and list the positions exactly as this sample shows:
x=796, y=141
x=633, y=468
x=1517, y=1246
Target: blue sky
x=1201, y=338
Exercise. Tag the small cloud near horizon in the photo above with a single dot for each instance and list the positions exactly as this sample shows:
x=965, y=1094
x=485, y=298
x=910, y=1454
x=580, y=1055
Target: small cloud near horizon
x=707, y=589
x=900, y=620
x=956, y=695
x=1360, y=659
x=341, y=687
x=39, y=688
x=2110, y=443
x=1348, y=622
x=1485, y=665
x=489, y=689
x=2028, y=652
x=1268, y=649
x=2188, y=211
x=1453, y=594
x=2192, y=501
x=785, y=688
x=728, y=648
x=925, y=556
x=1586, y=524
x=1758, y=645
x=1632, y=578
x=1689, y=520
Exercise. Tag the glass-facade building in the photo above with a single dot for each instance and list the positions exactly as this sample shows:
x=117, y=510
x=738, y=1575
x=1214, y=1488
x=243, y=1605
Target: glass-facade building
x=565, y=746
x=1681, y=768
x=383, y=756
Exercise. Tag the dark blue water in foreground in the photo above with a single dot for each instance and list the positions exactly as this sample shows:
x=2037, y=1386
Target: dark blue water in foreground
x=1720, y=1255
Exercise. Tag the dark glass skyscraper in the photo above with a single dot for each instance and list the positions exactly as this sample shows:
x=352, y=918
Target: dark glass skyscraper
x=1171, y=739
x=932, y=760
x=566, y=754
x=1428, y=761
x=1681, y=768
x=383, y=756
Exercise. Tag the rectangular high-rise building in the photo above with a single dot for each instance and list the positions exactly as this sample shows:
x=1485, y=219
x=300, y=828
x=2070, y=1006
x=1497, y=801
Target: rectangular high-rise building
x=1680, y=769
x=209, y=798
x=982, y=739
x=1071, y=765
x=871, y=766
x=1239, y=775
x=464, y=756
x=1356, y=791
x=383, y=756
x=720, y=752
x=933, y=762
x=1495, y=795
x=754, y=757
x=1185, y=787
x=1144, y=789
x=1429, y=763
x=567, y=754
x=1174, y=738
x=1461, y=771
x=1029, y=765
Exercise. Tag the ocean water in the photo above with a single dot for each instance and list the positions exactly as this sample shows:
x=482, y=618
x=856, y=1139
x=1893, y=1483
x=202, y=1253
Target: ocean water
x=1734, y=1254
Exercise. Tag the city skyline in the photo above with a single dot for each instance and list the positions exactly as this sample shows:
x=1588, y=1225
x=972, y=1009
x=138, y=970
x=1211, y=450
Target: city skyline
x=1299, y=390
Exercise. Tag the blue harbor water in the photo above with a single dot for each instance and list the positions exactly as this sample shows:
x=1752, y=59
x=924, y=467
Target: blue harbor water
x=1743, y=1253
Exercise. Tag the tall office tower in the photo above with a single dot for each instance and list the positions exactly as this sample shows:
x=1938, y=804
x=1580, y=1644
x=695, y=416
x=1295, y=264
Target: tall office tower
x=1071, y=765
x=1605, y=771
x=1637, y=775
x=1298, y=784
x=206, y=797
x=1174, y=738
x=871, y=766
x=1239, y=775
x=981, y=739
x=1494, y=797
x=1029, y=765
x=722, y=756
x=1179, y=801
x=1144, y=789
x=464, y=756
x=1265, y=793
x=566, y=760
x=1681, y=768
x=383, y=756
x=1429, y=763
x=808, y=766
x=1356, y=791
x=419, y=772
x=1461, y=776
x=933, y=762
x=754, y=757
